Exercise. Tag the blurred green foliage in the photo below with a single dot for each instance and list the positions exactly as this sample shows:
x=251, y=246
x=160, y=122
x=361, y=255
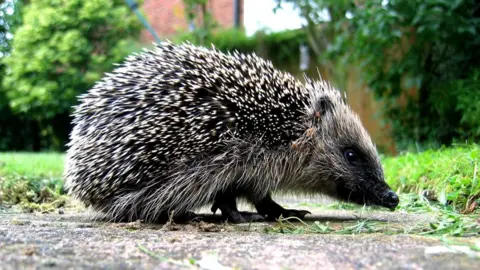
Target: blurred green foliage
x=13, y=130
x=60, y=50
x=468, y=102
x=430, y=45
x=224, y=40
x=201, y=19
x=282, y=48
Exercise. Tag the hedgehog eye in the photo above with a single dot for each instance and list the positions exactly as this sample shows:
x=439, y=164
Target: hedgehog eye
x=350, y=156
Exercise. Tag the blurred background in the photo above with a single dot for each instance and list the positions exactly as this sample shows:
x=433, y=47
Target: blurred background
x=410, y=68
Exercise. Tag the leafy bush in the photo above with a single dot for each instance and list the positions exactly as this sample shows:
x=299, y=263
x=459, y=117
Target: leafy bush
x=414, y=54
x=468, y=103
x=60, y=50
x=412, y=49
x=225, y=40
x=282, y=48
x=14, y=132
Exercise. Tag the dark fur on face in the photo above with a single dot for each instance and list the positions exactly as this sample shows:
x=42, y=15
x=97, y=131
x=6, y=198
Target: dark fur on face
x=346, y=158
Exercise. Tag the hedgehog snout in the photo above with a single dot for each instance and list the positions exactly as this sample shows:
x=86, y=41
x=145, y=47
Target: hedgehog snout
x=390, y=199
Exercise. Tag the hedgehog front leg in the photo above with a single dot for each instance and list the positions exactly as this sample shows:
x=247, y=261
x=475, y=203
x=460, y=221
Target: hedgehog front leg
x=272, y=210
x=227, y=204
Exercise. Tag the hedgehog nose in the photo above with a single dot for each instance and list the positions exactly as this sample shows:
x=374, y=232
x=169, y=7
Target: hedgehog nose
x=390, y=199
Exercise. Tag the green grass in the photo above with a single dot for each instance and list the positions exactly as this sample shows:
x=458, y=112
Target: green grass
x=31, y=164
x=442, y=182
x=445, y=221
x=449, y=175
x=32, y=180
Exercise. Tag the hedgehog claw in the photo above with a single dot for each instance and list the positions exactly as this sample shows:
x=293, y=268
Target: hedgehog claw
x=273, y=210
x=295, y=213
x=235, y=216
x=245, y=217
x=214, y=208
x=227, y=204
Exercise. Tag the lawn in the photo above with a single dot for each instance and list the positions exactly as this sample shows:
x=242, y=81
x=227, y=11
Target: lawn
x=442, y=181
x=449, y=175
x=32, y=180
x=446, y=175
x=31, y=164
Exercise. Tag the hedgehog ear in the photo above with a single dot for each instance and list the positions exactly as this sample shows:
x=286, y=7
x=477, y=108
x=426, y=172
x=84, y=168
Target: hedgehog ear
x=324, y=105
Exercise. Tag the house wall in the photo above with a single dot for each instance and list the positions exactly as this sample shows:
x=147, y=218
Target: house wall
x=167, y=17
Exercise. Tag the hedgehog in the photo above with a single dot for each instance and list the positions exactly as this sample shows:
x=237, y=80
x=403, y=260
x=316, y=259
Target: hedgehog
x=179, y=126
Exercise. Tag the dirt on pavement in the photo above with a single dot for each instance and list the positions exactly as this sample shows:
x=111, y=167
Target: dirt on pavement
x=75, y=240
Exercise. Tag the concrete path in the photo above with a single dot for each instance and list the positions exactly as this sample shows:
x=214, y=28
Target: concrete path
x=73, y=240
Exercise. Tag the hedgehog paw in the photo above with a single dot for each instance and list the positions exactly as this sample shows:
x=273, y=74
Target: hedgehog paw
x=286, y=213
x=241, y=217
x=273, y=210
x=252, y=217
x=186, y=217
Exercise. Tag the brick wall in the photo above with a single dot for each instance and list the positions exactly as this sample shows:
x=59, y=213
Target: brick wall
x=167, y=17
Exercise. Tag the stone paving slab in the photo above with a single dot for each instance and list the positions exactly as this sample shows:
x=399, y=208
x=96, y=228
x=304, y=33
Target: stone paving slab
x=74, y=240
